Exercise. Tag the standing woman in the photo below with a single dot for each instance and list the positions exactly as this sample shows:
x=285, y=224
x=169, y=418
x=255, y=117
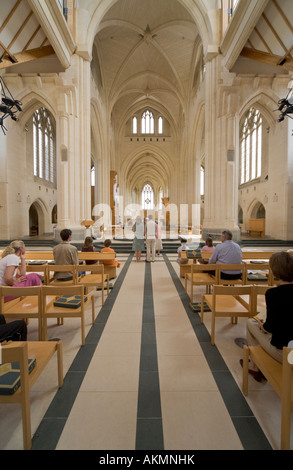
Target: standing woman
x=13, y=268
x=138, y=241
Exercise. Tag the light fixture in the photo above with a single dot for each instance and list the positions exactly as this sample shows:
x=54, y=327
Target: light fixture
x=8, y=105
x=286, y=104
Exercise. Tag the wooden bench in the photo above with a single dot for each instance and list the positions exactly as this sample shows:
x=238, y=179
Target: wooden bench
x=257, y=225
x=21, y=352
x=279, y=376
x=246, y=255
x=96, y=256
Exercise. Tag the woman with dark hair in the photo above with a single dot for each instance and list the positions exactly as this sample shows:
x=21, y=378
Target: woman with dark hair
x=275, y=332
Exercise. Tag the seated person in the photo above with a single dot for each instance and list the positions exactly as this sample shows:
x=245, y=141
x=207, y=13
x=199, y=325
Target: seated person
x=181, y=248
x=276, y=331
x=227, y=252
x=13, y=331
x=88, y=247
x=208, y=247
x=65, y=253
x=107, y=249
x=13, y=268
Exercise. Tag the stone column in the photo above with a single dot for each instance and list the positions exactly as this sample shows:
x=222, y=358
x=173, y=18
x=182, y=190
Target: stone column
x=73, y=149
x=221, y=170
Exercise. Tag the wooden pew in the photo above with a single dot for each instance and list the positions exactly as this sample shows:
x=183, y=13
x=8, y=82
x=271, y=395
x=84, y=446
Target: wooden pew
x=20, y=352
x=280, y=377
x=48, y=256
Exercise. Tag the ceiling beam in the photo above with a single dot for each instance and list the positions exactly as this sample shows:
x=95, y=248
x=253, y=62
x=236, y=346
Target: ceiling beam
x=27, y=56
x=269, y=59
x=52, y=21
x=243, y=21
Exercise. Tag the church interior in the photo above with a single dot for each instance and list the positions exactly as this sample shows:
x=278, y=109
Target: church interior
x=178, y=109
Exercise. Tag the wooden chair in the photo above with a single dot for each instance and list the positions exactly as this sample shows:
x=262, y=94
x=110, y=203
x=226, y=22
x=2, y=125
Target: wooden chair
x=38, y=268
x=21, y=352
x=200, y=276
x=258, y=273
x=49, y=310
x=72, y=271
x=232, y=267
x=28, y=304
x=280, y=377
x=95, y=277
x=258, y=298
x=226, y=301
x=101, y=258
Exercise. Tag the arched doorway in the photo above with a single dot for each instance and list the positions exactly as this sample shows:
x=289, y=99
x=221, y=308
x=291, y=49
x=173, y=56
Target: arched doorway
x=54, y=215
x=33, y=221
x=36, y=218
x=257, y=220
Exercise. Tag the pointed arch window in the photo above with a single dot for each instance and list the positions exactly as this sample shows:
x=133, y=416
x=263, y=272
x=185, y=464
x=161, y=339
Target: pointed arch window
x=202, y=180
x=44, y=152
x=251, y=146
x=134, y=125
x=147, y=197
x=147, y=122
x=160, y=125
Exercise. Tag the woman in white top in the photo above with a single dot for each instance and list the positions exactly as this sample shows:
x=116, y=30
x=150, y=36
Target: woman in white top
x=13, y=268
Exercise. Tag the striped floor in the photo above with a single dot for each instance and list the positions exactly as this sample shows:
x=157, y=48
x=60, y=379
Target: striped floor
x=148, y=377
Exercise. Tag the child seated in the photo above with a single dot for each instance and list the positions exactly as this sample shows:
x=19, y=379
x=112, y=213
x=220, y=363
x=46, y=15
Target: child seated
x=107, y=249
x=89, y=247
x=209, y=245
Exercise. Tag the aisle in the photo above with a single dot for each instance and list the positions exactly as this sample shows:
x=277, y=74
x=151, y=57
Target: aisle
x=149, y=385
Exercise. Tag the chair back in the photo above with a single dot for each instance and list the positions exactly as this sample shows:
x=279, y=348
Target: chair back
x=206, y=268
x=67, y=268
x=232, y=267
x=19, y=293
x=57, y=291
x=238, y=291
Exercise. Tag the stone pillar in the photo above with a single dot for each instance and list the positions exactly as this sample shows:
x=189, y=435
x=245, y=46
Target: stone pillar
x=73, y=149
x=221, y=169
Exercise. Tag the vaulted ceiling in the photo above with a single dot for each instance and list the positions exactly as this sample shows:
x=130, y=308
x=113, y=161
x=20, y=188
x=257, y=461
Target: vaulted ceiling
x=146, y=52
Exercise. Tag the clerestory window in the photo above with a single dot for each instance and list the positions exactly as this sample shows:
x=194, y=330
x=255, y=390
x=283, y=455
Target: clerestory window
x=147, y=122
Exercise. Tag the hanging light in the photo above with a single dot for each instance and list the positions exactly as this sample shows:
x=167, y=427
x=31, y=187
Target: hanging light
x=8, y=105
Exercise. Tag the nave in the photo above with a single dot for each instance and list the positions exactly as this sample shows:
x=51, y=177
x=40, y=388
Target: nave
x=148, y=377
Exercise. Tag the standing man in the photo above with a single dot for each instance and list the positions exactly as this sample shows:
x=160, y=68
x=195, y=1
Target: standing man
x=227, y=252
x=151, y=229
x=65, y=253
